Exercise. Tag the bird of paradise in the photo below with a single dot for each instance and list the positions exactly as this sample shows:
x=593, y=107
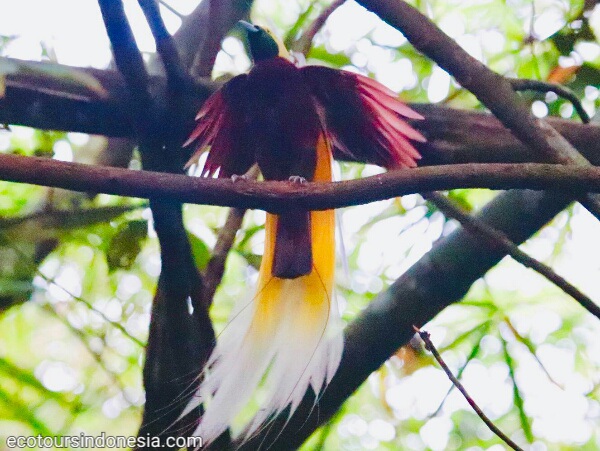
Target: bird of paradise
x=288, y=120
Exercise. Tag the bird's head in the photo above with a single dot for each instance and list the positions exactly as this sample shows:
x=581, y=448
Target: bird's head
x=263, y=44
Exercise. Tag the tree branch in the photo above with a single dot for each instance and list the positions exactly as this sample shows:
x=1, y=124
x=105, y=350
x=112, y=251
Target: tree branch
x=304, y=43
x=177, y=77
x=521, y=84
x=179, y=341
x=216, y=17
x=127, y=57
x=276, y=197
x=492, y=89
x=463, y=136
x=52, y=96
x=216, y=265
x=489, y=423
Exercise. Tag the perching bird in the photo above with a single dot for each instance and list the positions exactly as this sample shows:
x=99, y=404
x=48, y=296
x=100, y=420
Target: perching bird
x=288, y=119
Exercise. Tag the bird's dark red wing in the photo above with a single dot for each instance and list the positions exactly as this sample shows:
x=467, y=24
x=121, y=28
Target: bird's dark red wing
x=363, y=118
x=221, y=129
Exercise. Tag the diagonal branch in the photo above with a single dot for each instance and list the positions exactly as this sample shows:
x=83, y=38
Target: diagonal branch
x=216, y=265
x=179, y=341
x=304, y=42
x=199, y=37
x=127, y=56
x=493, y=90
x=499, y=239
x=489, y=423
x=177, y=76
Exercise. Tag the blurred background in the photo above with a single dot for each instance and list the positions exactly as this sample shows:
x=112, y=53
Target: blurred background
x=78, y=272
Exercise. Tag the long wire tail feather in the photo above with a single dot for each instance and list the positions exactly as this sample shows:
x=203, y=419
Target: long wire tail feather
x=287, y=340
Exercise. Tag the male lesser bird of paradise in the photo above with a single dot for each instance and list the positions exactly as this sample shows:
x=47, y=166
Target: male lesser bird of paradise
x=288, y=119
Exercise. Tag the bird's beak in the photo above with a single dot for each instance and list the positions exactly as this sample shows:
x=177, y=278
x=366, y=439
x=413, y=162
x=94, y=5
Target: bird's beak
x=250, y=28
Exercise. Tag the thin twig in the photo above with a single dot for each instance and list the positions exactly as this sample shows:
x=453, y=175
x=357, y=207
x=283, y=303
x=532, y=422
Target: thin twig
x=89, y=305
x=50, y=280
x=499, y=239
x=97, y=356
x=532, y=351
x=216, y=265
x=522, y=84
x=171, y=9
x=431, y=348
x=304, y=43
x=469, y=359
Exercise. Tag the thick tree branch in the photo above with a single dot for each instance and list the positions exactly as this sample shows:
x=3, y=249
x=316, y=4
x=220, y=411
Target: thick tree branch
x=45, y=95
x=56, y=97
x=462, y=136
x=177, y=77
x=281, y=196
x=128, y=58
x=199, y=37
x=179, y=341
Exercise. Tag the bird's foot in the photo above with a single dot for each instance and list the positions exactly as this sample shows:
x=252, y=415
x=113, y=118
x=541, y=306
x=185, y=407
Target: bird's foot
x=297, y=179
x=237, y=178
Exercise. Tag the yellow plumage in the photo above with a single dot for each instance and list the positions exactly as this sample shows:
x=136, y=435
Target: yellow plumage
x=319, y=282
x=288, y=336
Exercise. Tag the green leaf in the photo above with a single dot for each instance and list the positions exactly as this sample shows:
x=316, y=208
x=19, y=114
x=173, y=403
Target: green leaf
x=8, y=370
x=126, y=244
x=292, y=34
x=200, y=251
x=519, y=403
x=248, y=234
x=334, y=60
x=481, y=329
x=16, y=409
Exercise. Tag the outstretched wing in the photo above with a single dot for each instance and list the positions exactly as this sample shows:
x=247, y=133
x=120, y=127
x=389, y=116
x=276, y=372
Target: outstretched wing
x=220, y=130
x=363, y=118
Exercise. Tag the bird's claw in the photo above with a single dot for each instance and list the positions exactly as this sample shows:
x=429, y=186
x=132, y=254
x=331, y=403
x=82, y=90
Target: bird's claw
x=237, y=178
x=297, y=179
